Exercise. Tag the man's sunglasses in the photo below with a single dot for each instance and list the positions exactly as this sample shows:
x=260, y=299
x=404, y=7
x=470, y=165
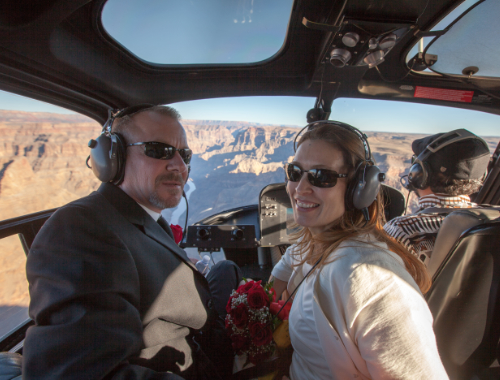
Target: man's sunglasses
x=316, y=177
x=162, y=151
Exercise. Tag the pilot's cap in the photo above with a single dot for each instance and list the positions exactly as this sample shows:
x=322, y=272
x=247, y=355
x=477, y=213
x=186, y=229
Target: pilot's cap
x=466, y=159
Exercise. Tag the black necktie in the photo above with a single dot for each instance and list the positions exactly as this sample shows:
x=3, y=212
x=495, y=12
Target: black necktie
x=163, y=224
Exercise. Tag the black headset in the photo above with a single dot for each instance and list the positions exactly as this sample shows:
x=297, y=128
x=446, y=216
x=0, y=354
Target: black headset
x=364, y=187
x=108, y=151
x=420, y=171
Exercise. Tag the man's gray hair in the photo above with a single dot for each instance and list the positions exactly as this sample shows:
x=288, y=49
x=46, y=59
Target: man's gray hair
x=122, y=125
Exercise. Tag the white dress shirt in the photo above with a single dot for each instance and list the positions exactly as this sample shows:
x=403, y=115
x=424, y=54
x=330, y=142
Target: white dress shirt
x=155, y=215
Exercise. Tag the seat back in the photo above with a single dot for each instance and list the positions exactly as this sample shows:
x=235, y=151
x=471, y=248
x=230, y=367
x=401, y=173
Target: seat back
x=465, y=302
x=454, y=225
x=10, y=366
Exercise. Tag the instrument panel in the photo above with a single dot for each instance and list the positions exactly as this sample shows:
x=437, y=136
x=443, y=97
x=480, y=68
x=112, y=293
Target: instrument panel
x=206, y=236
x=268, y=224
x=275, y=215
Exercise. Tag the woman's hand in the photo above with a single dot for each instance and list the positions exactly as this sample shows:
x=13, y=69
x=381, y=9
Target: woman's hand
x=285, y=378
x=279, y=286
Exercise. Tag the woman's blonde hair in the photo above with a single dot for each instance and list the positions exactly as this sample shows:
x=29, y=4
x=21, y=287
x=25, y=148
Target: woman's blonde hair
x=352, y=223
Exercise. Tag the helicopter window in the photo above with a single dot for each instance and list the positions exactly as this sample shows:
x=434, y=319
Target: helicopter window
x=42, y=155
x=463, y=50
x=442, y=24
x=42, y=166
x=14, y=296
x=450, y=17
x=198, y=32
x=465, y=44
x=404, y=117
x=241, y=144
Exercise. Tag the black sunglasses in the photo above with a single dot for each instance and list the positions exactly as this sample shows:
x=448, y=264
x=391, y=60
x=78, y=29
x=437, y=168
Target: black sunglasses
x=316, y=177
x=162, y=151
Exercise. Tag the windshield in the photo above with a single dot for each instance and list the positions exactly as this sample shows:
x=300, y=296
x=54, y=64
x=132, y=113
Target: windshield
x=240, y=153
x=240, y=146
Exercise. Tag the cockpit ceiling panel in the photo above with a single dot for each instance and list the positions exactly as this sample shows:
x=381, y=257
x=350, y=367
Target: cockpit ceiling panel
x=386, y=10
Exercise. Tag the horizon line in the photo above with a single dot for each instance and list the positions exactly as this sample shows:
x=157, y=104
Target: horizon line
x=231, y=121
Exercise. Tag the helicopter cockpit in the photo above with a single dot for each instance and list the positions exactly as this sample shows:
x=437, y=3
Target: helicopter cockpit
x=245, y=77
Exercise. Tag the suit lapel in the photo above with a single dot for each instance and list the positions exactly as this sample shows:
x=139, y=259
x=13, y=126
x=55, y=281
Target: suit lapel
x=155, y=232
x=164, y=225
x=136, y=215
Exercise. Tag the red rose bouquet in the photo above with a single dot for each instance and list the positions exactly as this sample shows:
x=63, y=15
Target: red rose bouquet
x=177, y=231
x=249, y=321
x=282, y=308
x=252, y=317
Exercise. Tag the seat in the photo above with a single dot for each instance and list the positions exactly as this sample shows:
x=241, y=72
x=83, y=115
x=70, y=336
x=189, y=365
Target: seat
x=464, y=298
x=457, y=222
x=10, y=366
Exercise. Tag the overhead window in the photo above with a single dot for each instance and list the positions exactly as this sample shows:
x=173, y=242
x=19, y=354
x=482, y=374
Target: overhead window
x=466, y=46
x=198, y=31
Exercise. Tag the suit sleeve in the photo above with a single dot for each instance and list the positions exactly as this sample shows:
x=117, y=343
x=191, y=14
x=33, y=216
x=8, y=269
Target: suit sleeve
x=84, y=301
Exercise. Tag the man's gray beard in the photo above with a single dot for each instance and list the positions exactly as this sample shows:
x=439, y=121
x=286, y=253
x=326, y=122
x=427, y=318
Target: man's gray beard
x=157, y=201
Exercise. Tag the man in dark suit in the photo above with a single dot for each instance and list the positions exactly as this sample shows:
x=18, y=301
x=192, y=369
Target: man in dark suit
x=112, y=294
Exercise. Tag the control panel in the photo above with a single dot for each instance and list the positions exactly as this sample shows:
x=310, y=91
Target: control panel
x=221, y=236
x=276, y=215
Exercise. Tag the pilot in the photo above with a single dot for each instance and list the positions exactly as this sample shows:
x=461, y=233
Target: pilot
x=446, y=169
x=112, y=295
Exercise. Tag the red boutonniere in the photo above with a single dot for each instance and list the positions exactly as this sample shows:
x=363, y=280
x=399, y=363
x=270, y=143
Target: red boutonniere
x=177, y=231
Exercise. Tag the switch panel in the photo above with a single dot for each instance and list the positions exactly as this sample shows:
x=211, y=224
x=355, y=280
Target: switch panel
x=222, y=236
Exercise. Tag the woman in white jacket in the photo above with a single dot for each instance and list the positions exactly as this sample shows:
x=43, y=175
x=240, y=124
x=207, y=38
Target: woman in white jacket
x=360, y=313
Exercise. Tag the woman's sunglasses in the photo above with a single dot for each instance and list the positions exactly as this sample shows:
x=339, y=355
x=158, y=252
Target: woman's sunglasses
x=316, y=177
x=162, y=151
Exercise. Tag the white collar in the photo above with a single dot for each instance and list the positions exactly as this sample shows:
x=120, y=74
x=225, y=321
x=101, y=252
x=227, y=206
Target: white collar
x=155, y=215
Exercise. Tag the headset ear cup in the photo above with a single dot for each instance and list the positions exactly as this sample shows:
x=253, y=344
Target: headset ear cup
x=364, y=187
x=121, y=157
x=348, y=195
x=418, y=176
x=107, y=157
x=351, y=187
x=427, y=174
x=102, y=161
